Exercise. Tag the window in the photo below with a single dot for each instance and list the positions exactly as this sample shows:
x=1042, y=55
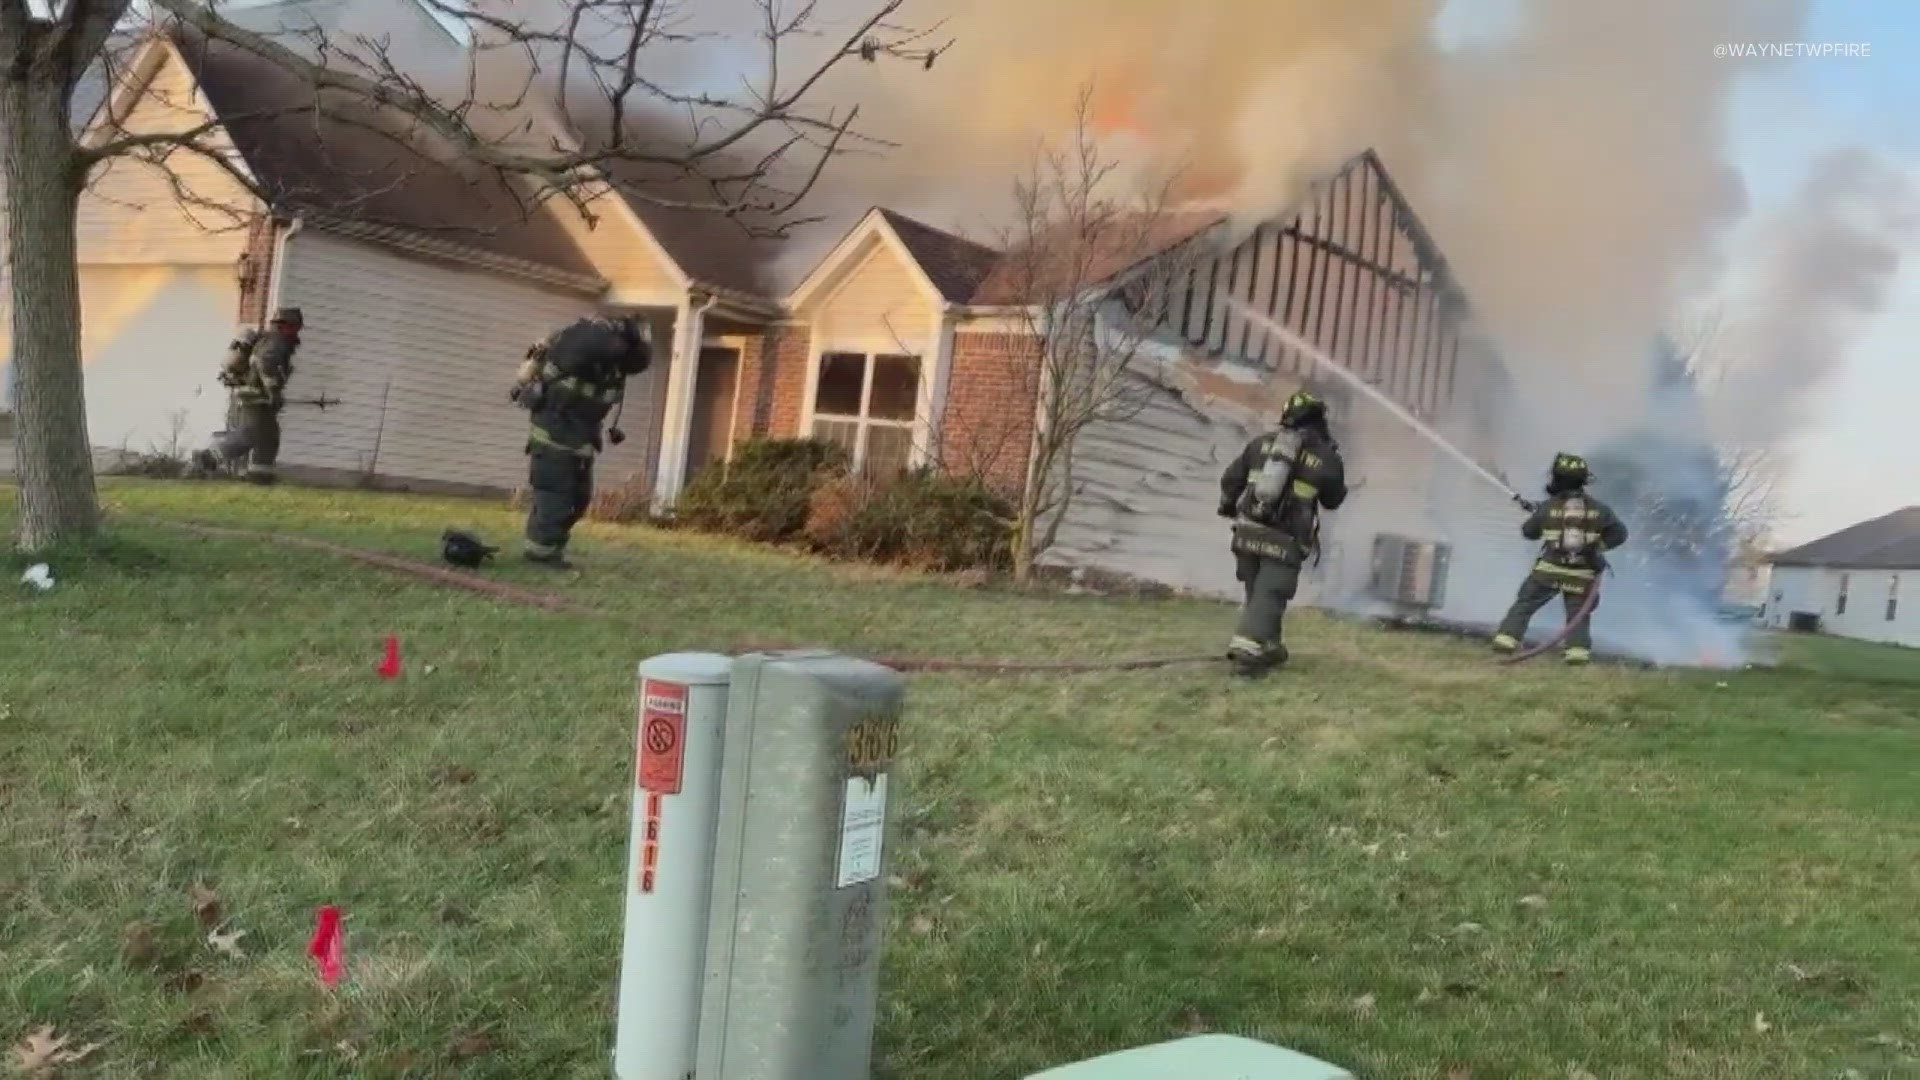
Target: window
x=1840, y=608
x=867, y=403
x=1893, y=597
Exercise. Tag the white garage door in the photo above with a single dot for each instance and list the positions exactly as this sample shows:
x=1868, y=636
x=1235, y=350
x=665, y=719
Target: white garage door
x=421, y=356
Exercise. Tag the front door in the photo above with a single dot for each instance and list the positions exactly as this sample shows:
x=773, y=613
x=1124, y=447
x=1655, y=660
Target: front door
x=714, y=387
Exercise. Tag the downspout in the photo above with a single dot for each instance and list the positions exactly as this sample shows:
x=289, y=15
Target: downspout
x=679, y=410
x=277, y=272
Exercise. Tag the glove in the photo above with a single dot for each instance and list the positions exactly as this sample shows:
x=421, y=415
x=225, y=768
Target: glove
x=616, y=436
x=1225, y=510
x=276, y=400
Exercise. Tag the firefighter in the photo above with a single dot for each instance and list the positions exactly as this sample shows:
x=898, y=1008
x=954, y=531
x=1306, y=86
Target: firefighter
x=570, y=382
x=257, y=369
x=1274, y=492
x=1575, y=530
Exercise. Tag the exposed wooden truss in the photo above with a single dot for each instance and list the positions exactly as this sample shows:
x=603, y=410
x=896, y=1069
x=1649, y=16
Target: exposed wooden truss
x=1353, y=271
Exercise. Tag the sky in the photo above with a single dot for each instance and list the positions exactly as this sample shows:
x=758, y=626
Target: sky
x=1858, y=459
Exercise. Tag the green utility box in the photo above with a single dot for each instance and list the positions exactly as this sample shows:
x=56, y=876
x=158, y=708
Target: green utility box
x=1205, y=1057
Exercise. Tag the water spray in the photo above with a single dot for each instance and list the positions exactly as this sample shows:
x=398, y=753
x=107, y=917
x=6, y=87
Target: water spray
x=1346, y=375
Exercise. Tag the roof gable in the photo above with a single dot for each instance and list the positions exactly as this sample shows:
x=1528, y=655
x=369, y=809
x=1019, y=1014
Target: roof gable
x=370, y=170
x=1888, y=542
x=954, y=265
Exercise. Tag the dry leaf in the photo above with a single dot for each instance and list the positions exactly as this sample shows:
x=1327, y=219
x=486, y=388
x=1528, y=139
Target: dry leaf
x=921, y=925
x=472, y=1044
x=227, y=944
x=42, y=1052
x=1760, y=1024
x=1578, y=1073
x=1365, y=1005
x=1193, y=1023
x=1468, y=928
x=199, y=1024
x=206, y=906
x=1459, y=1072
x=1535, y=902
x=137, y=946
x=1371, y=850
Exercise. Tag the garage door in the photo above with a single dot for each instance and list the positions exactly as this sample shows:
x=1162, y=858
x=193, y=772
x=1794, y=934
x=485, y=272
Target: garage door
x=421, y=356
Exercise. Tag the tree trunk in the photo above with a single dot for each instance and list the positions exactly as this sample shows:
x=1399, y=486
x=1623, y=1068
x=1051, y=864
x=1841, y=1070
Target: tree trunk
x=57, y=496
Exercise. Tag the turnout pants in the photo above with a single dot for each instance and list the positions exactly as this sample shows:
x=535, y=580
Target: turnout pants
x=1535, y=593
x=562, y=484
x=1270, y=585
x=252, y=439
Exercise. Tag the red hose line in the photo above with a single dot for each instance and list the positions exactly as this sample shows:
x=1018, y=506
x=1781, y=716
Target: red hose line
x=1585, y=612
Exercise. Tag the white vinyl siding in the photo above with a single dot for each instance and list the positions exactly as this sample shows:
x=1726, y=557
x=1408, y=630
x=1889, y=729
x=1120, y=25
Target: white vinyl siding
x=1871, y=594
x=421, y=356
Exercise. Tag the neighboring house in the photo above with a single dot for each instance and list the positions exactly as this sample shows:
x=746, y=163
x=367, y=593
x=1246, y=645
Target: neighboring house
x=423, y=279
x=1849, y=583
x=161, y=287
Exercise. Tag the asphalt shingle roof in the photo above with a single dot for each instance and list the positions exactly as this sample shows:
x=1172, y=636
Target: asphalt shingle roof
x=1890, y=542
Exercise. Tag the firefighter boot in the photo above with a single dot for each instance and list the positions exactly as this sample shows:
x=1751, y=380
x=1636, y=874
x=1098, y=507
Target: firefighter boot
x=1505, y=643
x=1579, y=657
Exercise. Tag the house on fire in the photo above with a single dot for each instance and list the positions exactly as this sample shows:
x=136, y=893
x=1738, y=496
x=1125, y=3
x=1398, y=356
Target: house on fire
x=901, y=343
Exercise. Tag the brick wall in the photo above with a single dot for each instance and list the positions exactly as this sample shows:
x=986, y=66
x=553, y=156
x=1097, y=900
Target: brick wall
x=783, y=382
x=988, y=427
x=259, y=255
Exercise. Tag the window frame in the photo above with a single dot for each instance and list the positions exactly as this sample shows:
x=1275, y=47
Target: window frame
x=865, y=422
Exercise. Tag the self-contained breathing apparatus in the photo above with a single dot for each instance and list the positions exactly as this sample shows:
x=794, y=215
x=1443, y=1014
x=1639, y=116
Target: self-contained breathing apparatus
x=239, y=362
x=1265, y=510
x=584, y=366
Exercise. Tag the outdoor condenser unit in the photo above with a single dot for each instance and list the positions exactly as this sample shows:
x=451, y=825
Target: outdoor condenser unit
x=1409, y=572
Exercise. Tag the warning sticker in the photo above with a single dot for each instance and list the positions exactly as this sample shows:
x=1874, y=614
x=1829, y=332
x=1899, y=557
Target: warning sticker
x=662, y=737
x=863, y=826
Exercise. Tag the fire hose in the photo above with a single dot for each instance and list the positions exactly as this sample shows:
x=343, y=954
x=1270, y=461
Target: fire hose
x=1586, y=612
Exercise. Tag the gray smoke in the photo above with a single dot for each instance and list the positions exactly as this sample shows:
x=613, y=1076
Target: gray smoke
x=1823, y=268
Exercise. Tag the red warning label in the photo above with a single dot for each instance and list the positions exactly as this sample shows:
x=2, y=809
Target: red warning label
x=662, y=736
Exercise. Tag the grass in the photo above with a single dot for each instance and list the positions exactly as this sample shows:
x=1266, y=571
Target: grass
x=1396, y=856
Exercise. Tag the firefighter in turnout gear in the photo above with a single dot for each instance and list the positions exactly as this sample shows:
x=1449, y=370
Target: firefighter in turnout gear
x=570, y=382
x=1274, y=492
x=257, y=368
x=1575, y=530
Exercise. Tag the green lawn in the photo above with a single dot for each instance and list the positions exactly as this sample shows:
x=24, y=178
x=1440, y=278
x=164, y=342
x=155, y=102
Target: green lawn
x=1397, y=855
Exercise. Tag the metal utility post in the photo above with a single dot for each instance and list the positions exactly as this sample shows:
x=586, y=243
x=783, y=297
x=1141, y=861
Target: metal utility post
x=676, y=800
x=756, y=884
x=799, y=893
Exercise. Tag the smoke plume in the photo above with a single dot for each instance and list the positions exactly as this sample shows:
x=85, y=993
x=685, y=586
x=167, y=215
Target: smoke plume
x=1824, y=267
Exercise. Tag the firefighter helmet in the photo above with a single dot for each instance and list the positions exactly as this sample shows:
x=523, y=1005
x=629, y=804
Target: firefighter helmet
x=462, y=548
x=1570, y=469
x=1302, y=408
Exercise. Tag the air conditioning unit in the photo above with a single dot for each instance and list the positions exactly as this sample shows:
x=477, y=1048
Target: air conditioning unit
x=1409, y=572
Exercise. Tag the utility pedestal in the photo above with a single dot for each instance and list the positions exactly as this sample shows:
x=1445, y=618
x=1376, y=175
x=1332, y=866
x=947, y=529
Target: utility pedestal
x=756, y=876
x=1213, y=1057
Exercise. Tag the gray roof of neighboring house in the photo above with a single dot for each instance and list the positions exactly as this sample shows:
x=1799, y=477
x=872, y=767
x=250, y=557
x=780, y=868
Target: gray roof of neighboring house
x=372, y=171
x=1891, y=542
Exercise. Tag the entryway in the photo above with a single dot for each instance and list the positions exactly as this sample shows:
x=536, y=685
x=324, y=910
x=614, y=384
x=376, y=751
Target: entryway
x=716, y=387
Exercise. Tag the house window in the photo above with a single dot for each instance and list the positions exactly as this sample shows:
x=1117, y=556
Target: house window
x=1840, y=607
x=1893, y=597
x=866, y=402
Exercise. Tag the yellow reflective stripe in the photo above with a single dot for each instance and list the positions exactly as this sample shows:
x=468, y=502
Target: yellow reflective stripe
x=1579, y=572
x=1304, y=490
x=544, y=439
x=1550, y=534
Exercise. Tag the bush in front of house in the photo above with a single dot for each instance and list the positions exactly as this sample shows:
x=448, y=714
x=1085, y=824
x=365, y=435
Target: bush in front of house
x=923, y=520
x=764, y=493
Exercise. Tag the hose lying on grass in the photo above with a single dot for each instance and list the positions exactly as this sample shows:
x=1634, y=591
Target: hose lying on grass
x=1586, y=612
x=475, y=583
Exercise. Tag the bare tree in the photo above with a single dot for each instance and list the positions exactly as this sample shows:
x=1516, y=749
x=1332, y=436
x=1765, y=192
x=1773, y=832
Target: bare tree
x=1093, y=262
x=751, y=155
x=1749, y=474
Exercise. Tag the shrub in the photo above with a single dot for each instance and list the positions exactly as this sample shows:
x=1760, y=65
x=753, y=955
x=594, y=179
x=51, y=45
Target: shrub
x=923, y=520
x=628, y=502
x=764, y=493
